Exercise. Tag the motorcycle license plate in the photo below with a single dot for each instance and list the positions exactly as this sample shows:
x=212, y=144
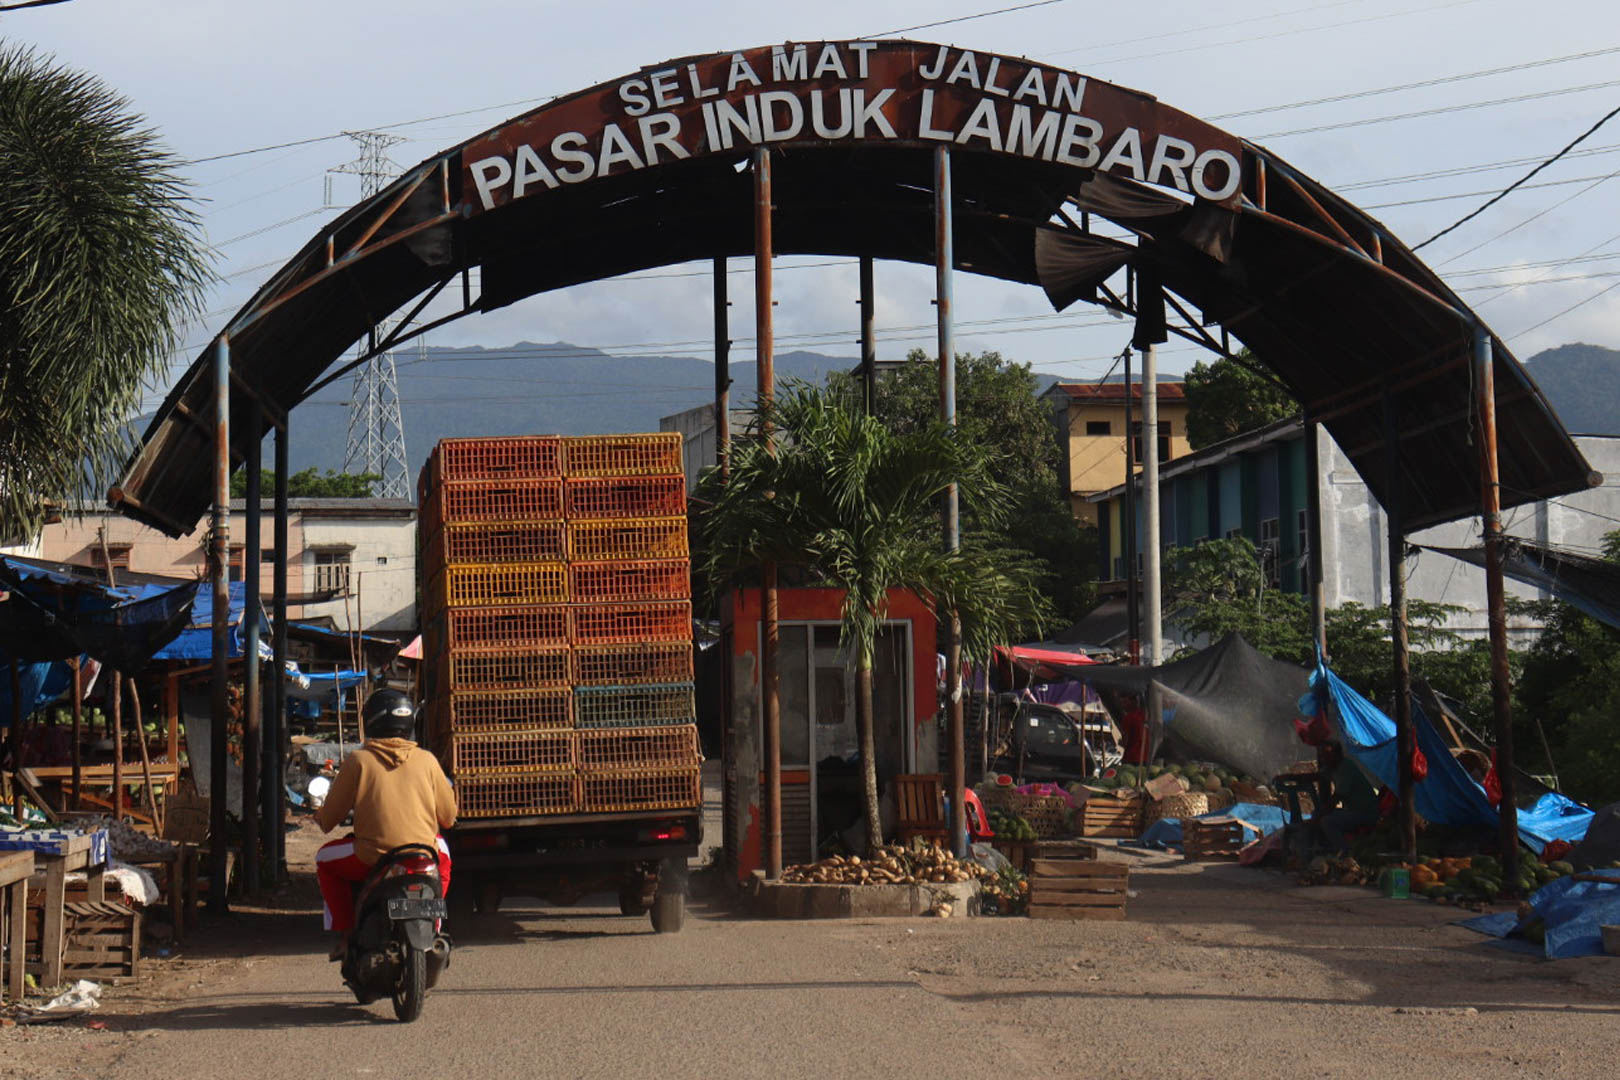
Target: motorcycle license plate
x=406, y=908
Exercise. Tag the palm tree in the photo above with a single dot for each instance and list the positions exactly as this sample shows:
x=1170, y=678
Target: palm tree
x=99, y=266
x=856, y=505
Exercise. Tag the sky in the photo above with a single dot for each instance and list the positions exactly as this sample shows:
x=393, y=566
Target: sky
x=1542, y=266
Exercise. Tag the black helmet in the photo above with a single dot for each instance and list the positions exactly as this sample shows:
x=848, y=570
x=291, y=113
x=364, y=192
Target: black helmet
x=389, y=714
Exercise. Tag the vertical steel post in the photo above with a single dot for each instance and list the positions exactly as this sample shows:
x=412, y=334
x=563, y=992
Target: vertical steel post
x=219, y=561
x=275, y=738
x=1151, y=542
x=868, y=337
x=252, y=701
x=1394, y=509
x=944, y=267
x=1313, y=514
x=1133, y=614
x=15, y=738
x=77, y=664
x=722, y=369
x=770, y=685
x=1490, y=498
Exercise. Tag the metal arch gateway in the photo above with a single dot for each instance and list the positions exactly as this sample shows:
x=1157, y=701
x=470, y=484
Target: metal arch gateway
x=649, y=170
x=905, y=151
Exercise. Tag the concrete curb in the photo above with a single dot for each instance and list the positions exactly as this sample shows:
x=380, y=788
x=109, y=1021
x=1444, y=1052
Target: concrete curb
x=782, y=900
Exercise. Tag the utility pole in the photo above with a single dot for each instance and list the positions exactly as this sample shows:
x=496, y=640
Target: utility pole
x=376, y=442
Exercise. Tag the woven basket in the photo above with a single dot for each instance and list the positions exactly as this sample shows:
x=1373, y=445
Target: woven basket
x=1221, y=800
x=1188, y=804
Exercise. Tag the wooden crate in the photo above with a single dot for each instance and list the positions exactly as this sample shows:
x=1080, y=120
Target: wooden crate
x=1211, y=839
x=101, y=941
x=1078, y=889
x=1109, y=818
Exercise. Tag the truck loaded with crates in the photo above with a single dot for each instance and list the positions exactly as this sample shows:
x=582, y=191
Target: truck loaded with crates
x=557, y=668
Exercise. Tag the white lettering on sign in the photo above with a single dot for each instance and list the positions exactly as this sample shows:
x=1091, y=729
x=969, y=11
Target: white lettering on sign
x=827, y=91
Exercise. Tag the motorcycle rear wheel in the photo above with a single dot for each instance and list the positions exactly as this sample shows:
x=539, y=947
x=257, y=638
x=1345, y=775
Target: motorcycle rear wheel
x=411, y=993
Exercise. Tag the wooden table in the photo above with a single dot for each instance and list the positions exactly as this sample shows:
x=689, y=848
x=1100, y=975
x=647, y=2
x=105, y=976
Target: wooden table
x=73, y=856
x=16, y=867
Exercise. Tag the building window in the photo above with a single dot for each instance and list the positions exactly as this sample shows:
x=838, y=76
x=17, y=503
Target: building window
x=1270, y=547
x=1164, y=440
x=115, y=556
x=332, y=571
x=1099, y=427
x=1233, y=534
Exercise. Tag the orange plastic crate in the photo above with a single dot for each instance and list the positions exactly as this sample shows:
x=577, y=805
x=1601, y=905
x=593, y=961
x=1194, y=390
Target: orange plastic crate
x=528, y=751
x=509, y=710
x=652, y=454
x=624, y=496
x=497, y=542
x=627, y=665
x=631, y=579
x=505, y=669
x=506, y=625
x=640, y=789
x=637, y=748
x=517, y=794
x=481, y=585
x=627, y=538
x=507, y=458
x=631, y=624
x=501, y=500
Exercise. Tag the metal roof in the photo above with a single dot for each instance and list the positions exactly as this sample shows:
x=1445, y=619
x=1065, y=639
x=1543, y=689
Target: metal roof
x=1331, y=303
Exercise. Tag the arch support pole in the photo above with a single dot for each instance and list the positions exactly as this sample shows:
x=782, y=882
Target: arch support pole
x=1405, y=742
x=218, y=566
x=722, y=369
x=770, y=684
x=1490, y=494
x=944, y=264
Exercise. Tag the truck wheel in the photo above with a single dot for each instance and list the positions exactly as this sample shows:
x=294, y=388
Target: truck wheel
x=488, y=898
x=461, y=903
x=630, y=901
x=669, y=912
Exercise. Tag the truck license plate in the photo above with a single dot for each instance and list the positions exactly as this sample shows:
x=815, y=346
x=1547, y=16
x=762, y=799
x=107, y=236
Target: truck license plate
x=405, y=908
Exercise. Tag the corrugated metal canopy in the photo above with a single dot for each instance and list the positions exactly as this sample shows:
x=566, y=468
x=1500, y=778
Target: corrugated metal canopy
x=1345, y=316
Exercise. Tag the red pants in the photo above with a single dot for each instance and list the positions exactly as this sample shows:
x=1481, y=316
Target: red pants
x=339, y=871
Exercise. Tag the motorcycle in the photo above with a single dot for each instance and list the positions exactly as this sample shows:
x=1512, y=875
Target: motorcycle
x=398, y=948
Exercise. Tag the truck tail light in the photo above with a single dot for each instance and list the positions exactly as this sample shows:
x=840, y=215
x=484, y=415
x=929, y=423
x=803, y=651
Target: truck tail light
x=664, y=832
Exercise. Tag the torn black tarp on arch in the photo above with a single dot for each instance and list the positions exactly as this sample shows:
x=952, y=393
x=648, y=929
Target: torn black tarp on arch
x=54, y=616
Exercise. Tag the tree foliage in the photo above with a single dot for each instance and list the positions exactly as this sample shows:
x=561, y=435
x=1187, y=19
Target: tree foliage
x=100, y=265
x=852, y=502
x=1225, y=398
x=1218, y=587
x=1570, y=683
x=309, y=484
x=997, y=408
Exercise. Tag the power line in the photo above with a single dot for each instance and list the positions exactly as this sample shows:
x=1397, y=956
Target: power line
x=1227, y=25
x=1421, y=85
x=964, y=18
x=1465, y=106
x=1476, y=194
x=1519, y=182
x=1583, y=256
x=1533, y=217
x=1566, y=311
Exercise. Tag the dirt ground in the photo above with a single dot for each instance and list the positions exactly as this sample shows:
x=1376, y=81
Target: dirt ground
x=1218, y=971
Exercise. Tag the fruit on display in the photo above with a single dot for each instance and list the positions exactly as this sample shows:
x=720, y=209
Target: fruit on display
x=891, y=865
x=1005, y=892
x=1012, y=827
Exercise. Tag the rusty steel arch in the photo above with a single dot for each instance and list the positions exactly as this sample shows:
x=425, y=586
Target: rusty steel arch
x=650, y=170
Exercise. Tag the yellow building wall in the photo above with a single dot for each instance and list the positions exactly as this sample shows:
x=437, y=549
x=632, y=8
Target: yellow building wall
x=1097, y=462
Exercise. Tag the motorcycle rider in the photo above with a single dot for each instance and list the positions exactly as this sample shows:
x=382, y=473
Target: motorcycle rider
x=399, y=795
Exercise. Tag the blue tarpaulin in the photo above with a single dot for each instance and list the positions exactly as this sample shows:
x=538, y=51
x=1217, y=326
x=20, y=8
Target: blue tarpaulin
x=1572, y=914
x=196, y=641
x=1257, y=818
x=1448, y=795
x=42, y=684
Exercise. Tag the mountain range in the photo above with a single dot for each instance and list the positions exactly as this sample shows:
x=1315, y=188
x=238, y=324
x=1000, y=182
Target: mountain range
x=576, y=390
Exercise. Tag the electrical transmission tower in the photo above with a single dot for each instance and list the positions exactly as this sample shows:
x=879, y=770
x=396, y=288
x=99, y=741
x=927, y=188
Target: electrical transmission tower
x=376, y=442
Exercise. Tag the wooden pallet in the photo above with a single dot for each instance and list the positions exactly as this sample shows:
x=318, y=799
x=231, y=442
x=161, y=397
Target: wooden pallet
x=1111, y=818
x=102, y=941
x=1211, y=839
x=1078, y=889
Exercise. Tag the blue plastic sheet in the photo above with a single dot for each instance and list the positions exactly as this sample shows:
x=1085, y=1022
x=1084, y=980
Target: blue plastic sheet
x=41, y=683
x=1448, y=795
x=1258, y=819
x=1572, y=913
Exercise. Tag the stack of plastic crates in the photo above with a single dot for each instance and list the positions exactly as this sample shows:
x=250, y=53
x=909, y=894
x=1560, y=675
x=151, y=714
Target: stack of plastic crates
x=629, y=581
x=497, y=669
